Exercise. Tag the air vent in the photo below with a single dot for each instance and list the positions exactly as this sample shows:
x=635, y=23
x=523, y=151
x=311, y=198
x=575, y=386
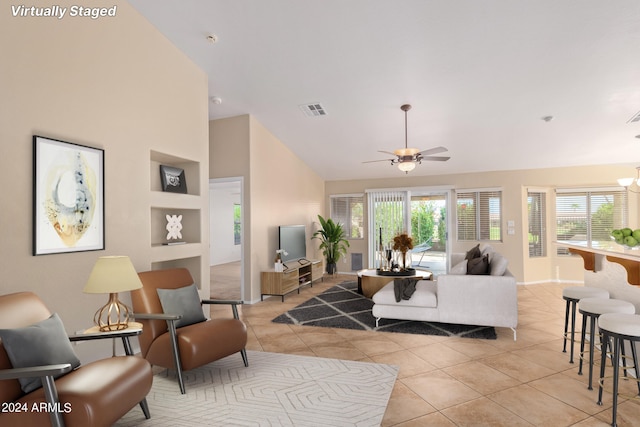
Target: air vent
x=635, y=118
x=313, y=110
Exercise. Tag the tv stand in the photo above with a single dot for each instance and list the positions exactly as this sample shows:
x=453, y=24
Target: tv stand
x=276, y=283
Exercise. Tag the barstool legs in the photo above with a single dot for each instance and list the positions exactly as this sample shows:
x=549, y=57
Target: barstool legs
x=573, y=328
x=566, y=325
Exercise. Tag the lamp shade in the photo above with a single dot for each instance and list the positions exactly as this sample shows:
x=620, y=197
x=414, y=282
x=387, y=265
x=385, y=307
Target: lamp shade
x=112, y=274
x=625, y=182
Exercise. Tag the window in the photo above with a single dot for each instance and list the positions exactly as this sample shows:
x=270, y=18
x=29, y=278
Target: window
x=237, y=218
x=537, y=208
x=349, y=211
x=589, y=215
x=479, y=215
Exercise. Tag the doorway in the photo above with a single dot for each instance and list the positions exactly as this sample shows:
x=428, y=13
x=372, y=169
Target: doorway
x=226, y=237
x=422, y=213
x=429, y=231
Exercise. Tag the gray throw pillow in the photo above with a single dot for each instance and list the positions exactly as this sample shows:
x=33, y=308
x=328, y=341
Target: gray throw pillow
x=184, y=301
x=474, y=252
x=44, y=343
x=478, y=265
x=460, y=268
x=498, y=265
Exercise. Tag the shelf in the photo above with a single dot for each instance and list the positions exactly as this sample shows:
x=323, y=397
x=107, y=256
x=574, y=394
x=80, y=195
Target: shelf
x=190, y=224
x=190, y=205
x=191, y=171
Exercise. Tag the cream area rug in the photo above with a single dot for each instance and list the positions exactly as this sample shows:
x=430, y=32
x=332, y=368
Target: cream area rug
x=275, y=390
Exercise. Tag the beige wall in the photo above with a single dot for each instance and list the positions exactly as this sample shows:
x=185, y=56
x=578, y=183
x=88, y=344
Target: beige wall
x=279, y=190
x=514, y=185
x=113, y=83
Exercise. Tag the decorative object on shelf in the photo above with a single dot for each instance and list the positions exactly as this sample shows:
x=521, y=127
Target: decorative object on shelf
x=173, y=179
x=174, y=227
x=68, y=197
x=333, y=242
x=278, y=265
x=407, y=158
x=627, y=237
x=403, y=243
x=110, y=275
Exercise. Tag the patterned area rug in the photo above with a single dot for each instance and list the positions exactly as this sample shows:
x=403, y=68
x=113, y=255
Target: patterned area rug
x=343, y=307
x=275, y=390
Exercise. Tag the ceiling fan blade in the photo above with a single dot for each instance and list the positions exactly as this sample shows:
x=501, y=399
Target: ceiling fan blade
x=383, y=160
x=436, y=158
x=435, y=150
x=386, y=152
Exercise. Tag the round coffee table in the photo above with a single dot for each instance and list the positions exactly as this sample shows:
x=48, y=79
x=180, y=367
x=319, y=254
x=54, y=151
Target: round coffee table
x=370, y=282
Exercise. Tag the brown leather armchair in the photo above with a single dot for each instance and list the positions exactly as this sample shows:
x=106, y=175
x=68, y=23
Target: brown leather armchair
x=188, y=347
x=95, y=394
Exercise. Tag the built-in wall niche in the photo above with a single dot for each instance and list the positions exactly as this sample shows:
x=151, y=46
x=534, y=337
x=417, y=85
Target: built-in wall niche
x=190, y=167
x=193, y=264
x=190, y=225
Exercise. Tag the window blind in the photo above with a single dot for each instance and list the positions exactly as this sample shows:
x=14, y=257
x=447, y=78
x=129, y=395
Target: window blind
x=349, y=211
x=537, y=208
x=589, y=216
x=479, y=215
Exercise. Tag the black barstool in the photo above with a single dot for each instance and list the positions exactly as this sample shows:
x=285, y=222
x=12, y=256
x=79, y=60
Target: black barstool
x=617, y=328
x=572, y=295
x=592, y=308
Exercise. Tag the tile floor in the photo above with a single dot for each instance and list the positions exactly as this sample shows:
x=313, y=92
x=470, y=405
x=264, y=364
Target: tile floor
x=460, y=381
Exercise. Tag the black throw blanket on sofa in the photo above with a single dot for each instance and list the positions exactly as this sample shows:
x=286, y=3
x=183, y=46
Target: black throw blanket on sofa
x=404, y=288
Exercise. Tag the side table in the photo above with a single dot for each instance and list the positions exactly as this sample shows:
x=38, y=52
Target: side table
x=134, y=329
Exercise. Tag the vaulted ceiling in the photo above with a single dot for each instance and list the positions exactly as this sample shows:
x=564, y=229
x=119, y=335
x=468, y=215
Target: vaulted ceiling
x=480, y=75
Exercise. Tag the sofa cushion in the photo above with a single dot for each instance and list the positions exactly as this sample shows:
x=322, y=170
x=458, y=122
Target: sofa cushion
x=498, y=265
x=478, y=265
x=43, y=343
x=460, y=268
x=474, y=252
x=184, y=301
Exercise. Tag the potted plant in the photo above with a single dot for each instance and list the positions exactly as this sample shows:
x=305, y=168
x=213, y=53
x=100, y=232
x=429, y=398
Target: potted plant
x=333, y=242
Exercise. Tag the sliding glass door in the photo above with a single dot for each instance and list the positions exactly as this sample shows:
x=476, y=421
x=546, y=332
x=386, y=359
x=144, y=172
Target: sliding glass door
x=421, y=213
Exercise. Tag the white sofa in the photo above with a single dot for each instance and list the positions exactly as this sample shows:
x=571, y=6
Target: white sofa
x=483, y=300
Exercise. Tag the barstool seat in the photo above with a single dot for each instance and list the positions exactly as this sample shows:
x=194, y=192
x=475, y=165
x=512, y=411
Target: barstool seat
x=618, y=327
x=572, y=295
x=592, y=308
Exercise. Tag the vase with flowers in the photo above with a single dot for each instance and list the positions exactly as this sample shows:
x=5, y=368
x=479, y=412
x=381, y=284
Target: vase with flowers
x=403, y=243
x=279, y=265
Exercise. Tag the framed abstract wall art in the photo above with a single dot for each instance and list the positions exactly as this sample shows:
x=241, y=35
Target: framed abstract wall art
x=68, y=197
x=173, y=179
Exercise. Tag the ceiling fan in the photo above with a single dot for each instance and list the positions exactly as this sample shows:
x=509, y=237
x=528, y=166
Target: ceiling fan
x=407, y=158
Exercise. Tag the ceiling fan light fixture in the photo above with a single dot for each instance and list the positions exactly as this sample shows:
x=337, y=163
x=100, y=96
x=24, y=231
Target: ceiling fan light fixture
x=406, y=166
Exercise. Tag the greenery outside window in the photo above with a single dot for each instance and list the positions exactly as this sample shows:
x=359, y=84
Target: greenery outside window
x=348, y=210
x=237, y=212
x=479, y=214
x=589, y=214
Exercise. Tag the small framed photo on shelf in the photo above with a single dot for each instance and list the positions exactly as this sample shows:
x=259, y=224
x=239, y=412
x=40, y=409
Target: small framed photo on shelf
x=173, y=179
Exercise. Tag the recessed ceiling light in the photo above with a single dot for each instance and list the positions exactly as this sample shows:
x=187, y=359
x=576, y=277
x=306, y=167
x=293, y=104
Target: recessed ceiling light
x=547, y=118
x=638, y=136
x=216, y=100
x=212, y=38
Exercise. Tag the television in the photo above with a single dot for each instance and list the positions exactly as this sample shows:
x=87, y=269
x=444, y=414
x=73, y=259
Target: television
x=292, y=239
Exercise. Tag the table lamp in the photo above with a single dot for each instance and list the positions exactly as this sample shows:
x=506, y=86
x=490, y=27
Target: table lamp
x=110, y=275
